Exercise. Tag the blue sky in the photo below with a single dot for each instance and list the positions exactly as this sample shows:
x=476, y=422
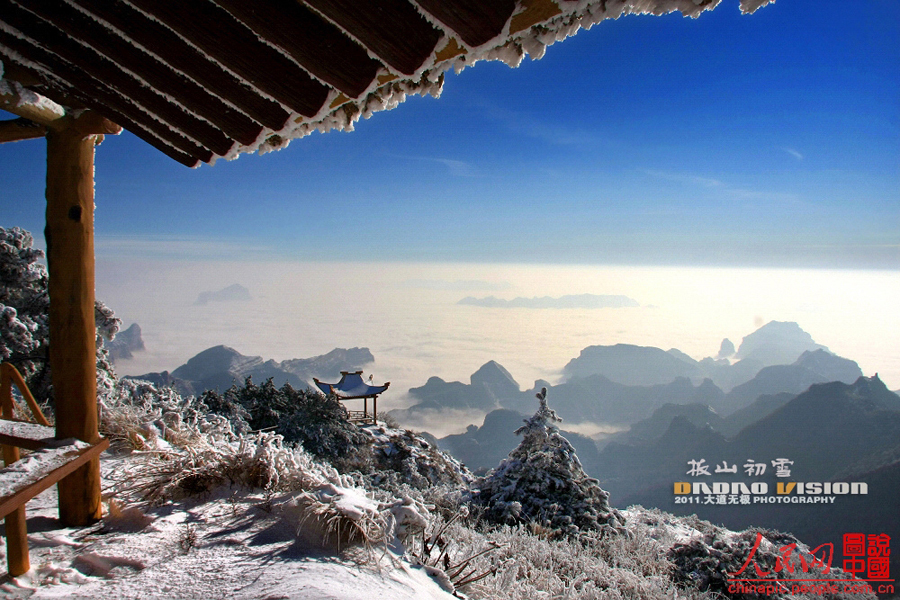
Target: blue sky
x=767, y=140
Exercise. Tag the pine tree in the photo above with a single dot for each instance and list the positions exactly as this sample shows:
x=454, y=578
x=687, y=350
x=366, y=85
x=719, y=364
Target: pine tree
x=542, y=481
x=24, y=316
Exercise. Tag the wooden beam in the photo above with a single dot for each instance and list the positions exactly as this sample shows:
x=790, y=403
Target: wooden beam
x=70, y=258
x=93, y=65
x=76, y=25
x=392, y=29
x=10, y=376
x=46, y=467
x=16, y=130
x=317, y=45
x=216, y=32
x=534, y=12
x=110, y=102
x=180, y=55
x=25, y=435
x=26, y=104
x=475, y=21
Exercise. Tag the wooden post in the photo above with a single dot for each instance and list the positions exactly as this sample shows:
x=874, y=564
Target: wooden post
x=73, y=352
x=70, y=259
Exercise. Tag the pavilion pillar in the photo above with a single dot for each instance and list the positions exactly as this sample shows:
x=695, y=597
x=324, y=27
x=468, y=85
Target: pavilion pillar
x=71, y=138
x=73, y=353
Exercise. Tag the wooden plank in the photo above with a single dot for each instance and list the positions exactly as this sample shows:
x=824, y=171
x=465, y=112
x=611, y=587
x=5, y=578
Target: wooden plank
x=534, y=12
x=474, y=21
x=38, y=471
x=88, y=32
x=175, y=51
x=392, y=29
x=317, y=45
x=73, y=352
x=98, y=66
x=26, y=435
x=71, y=81
x=217, y=33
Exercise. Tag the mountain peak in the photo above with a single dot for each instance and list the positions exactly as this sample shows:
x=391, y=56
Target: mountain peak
x=632, y=365
x=777, y=342
x=493, y=373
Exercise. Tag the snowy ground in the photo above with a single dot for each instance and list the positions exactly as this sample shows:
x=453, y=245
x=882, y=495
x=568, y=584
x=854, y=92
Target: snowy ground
x=231, y=545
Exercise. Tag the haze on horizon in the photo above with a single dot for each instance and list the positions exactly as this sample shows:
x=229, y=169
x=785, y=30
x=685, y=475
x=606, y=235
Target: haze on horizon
x=409, y=316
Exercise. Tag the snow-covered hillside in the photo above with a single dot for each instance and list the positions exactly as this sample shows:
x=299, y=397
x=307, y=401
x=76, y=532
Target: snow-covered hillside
x=196, y=510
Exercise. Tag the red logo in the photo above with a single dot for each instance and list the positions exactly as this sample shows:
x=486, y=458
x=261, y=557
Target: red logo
x=866, y=558
x=867, y=554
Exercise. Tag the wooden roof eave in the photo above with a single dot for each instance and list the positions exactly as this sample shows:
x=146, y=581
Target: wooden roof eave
x=159, y=67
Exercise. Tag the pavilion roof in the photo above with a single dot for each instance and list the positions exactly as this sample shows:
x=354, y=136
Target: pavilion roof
x=351, y=386
x=203, y=79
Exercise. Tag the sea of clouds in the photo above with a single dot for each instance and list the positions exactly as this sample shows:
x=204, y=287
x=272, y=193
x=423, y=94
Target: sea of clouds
x=409, y=316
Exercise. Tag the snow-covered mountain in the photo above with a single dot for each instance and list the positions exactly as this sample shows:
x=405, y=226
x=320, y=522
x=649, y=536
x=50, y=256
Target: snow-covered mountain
x=219, y=367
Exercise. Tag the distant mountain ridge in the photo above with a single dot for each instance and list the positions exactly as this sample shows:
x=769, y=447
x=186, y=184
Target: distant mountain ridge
x=832, y=432
x=774, y=344
x=125, y=344
x=669, y=420
x=816, y=366
x=233, y=293
x=824, y=430
x=217, y=368
x=631, y=365
x=777, y=342
x=622, y=384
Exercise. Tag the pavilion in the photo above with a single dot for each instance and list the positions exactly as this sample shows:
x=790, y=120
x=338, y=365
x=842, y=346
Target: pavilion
x=207, y=79
x=352, y=387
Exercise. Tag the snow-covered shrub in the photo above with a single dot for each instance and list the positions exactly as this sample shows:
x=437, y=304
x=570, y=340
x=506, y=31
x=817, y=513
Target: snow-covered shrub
x=320, y=424
x=521, y=565
x=25, y=316
x=642, y=564
x=707, y=561
x=402, y=458
x=145, y=417
x=542, y=482
x=320, y=504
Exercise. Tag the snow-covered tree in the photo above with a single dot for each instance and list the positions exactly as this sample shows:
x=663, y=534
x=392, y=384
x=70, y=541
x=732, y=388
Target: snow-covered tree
x=542, y=482
x=320, y=424
x=25, y=315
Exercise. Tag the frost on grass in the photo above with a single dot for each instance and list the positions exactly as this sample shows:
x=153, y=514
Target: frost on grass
x=543, y=483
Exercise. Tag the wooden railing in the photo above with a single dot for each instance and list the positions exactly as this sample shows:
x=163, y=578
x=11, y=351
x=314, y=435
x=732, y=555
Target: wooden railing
x=9, y=376
x=21, y=480
x=359, y=416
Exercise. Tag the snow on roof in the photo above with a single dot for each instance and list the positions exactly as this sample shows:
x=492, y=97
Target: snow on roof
x=351, y=385
x=160, y=69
